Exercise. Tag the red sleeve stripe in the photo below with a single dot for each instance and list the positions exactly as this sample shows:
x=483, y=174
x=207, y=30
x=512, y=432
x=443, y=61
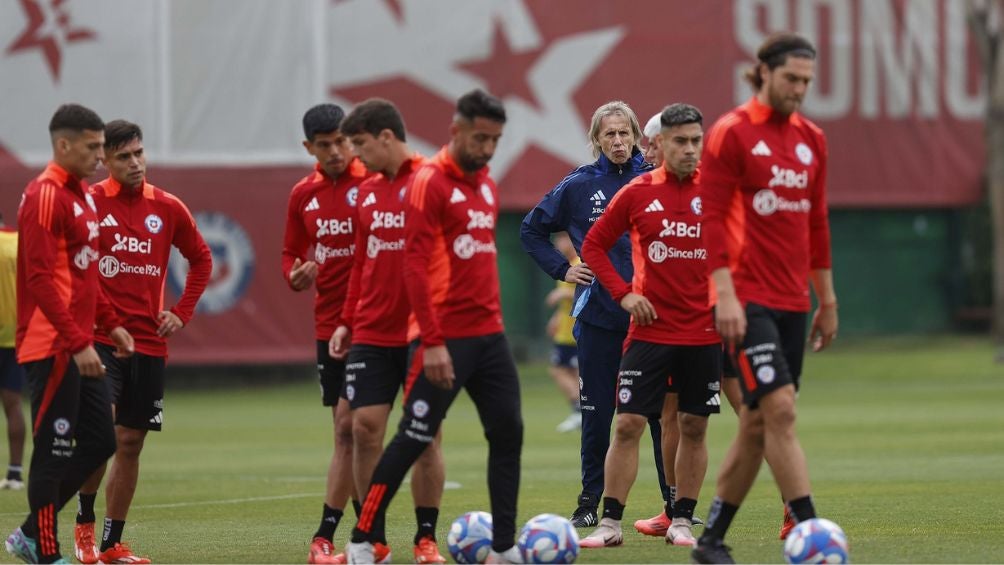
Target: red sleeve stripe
x=416, y=194
x=717, y=135
x=46, y=203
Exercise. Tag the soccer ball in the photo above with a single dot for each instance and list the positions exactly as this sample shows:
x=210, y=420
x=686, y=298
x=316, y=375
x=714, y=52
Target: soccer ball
x=816, y=541
x=548, y=538
x=470, y=537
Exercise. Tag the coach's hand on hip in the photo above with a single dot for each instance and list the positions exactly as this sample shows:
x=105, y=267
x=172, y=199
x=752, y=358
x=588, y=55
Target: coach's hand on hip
x=579, y=274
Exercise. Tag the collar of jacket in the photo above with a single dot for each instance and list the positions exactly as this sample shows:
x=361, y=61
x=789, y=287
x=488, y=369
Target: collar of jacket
x=635, y=163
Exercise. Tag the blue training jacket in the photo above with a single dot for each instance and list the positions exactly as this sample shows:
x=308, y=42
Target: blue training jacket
x=573, y=206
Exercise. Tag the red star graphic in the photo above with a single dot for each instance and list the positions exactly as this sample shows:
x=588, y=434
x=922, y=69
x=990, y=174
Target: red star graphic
x=505, y=71
x=49, y=43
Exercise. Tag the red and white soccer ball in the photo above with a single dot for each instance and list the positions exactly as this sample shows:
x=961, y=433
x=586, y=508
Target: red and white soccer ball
x=548, y=538
x=816, y=541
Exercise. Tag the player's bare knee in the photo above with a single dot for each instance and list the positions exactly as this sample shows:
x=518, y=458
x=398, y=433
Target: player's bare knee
x=367, y=431
x=629, y=427
x=130, y=442
x=693, y=427
x=343, y=433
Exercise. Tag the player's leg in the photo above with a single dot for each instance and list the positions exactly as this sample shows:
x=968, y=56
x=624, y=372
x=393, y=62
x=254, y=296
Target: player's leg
x=669, y=440
x=697, y=371
x=641, y=387
x=791, y=329
x=425, y=406
x=742, y=462
x=564, y=371
x=338, y=484
x=84, y=546
x=11, y=384
x=139, y=408
x=54, y=385
x=428, y=476
x=373, y=376
x=494, y=388
x=599, y=358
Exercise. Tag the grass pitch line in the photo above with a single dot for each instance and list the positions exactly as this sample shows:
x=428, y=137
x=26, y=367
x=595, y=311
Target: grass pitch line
x=448, y=485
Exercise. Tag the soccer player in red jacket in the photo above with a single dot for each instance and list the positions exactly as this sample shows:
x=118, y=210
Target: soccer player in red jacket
x=320, y=215
x=672, y=361
x=375, y=315
x=452, y=207
x=771, y=161
x=139, y=225
x=59, y=303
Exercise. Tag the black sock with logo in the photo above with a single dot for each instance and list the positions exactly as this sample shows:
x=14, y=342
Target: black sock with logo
x=612, y=508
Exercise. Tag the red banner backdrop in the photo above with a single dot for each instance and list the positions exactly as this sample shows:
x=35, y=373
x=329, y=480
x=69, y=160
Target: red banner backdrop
x=898, y=92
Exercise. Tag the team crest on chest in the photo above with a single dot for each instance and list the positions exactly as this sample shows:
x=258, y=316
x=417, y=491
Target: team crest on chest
x=351, y=194
x=695, y=206
x=153, y=223
x=803, y=153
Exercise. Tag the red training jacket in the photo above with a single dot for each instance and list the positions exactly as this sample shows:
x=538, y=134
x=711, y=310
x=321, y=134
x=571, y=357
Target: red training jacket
x=376, y=306
x=320, y=214
x=452, y=214
x=663, y=217
x=58, y=295
x=777, y=165
x=138, y=228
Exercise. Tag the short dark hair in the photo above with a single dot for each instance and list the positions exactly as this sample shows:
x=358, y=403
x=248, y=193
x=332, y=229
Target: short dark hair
x=372, y=117
x=75, y=118
x=121, y=132
x=479, y=104
x=323, y=118
x=775, y=51
x=680, y=114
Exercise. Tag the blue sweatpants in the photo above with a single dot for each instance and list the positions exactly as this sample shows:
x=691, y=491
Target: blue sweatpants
x=600, y=352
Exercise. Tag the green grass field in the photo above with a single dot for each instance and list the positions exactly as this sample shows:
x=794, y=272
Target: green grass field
x=905, y=441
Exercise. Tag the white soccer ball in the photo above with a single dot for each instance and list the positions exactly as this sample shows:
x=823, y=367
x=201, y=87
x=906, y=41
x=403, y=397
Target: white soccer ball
x=470, y=537
x=816, y=541
x=548, y=538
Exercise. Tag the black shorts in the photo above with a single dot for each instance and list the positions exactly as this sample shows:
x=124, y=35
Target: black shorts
x=649, y=371
x=136, y=385
x=331, y=373
x=565, y=356
x=772, y=352
x=11, y=373
x=374, y=374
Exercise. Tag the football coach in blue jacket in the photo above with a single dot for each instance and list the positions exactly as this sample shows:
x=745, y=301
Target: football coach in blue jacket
x=601, y=324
